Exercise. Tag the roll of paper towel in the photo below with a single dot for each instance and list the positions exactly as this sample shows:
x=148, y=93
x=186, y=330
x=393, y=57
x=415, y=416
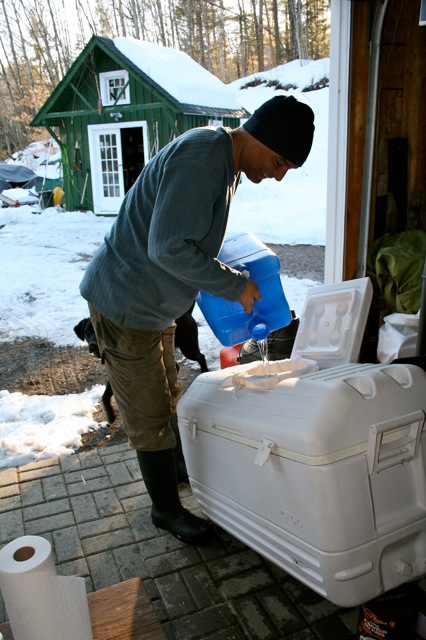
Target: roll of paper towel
x=40, y=604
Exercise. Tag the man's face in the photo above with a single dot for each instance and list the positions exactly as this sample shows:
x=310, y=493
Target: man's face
x=260, y=162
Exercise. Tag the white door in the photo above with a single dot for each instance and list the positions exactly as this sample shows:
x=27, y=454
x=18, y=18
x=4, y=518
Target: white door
x=106, y=164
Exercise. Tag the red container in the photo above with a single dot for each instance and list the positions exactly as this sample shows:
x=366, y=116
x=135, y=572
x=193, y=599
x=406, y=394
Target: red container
x=229, y=356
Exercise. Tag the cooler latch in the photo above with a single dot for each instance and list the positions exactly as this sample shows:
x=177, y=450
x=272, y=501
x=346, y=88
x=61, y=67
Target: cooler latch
x=192, y=427
x=394, y=442
x=263, y=452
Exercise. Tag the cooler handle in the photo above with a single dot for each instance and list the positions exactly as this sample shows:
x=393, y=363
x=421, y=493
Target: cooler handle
x=386, y=448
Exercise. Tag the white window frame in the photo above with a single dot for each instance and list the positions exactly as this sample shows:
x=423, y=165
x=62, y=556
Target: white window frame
x=104, y=82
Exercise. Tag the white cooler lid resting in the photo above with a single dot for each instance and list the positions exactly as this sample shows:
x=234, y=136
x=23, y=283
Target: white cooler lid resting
x=332, y=323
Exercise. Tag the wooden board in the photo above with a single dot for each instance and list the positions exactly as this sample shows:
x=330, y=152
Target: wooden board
x=121, y=612
x=124, y=612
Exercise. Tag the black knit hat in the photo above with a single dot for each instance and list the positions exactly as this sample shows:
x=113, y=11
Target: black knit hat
x=286, y=126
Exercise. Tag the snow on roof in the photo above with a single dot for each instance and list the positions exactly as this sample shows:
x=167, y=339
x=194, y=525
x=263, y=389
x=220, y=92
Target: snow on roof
x=183, y=78
x=299, y=73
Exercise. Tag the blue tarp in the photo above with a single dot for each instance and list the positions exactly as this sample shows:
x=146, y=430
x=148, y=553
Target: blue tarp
x=16, y=174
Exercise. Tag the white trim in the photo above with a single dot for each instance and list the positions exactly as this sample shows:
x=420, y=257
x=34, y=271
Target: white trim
x=104, y=79
x=337, y=140
x=93, y=130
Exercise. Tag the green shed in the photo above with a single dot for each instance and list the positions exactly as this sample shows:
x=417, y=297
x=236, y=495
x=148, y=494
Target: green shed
x=121, y=101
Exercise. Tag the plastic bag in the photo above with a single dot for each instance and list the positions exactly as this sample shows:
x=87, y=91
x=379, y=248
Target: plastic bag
x=398, y=337
x=253, y=375
x=395, y=264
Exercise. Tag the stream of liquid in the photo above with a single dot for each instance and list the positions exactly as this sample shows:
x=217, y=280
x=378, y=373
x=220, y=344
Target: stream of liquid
x=263, y=350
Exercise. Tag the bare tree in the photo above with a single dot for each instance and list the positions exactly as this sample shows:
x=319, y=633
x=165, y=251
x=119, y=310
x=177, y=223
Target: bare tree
x=10, y=52
x=222, y=41
x=104, y=21
x=158, y=16
x=199, y=31
x=258, y=26
x=37, y=45
x=299, y=40
x=243, y=37
x=279, y=53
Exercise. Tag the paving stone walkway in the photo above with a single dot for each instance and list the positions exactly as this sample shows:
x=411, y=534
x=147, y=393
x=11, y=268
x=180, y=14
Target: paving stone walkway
x=94, y=510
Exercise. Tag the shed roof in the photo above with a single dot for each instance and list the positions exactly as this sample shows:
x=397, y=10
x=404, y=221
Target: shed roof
x=185, y=84
x=186, y=81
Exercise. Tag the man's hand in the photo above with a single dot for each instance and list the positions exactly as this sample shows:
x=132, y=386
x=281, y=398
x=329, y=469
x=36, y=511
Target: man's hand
x=249, y=295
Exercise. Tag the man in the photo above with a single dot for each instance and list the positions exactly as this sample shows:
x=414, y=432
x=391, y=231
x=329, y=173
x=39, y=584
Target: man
x=161, y=250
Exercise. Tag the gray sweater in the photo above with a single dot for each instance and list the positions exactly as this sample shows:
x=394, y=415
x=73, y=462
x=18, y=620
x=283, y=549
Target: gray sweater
x=162, y=248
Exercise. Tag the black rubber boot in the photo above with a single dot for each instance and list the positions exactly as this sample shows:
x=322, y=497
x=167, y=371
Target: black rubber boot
x=182, y=473
x=158, y=470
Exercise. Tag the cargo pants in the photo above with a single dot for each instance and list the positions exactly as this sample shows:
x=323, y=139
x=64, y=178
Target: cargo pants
x=141, y=368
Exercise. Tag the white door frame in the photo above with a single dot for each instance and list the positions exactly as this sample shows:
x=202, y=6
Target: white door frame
x=340, y=38
x=108, y=185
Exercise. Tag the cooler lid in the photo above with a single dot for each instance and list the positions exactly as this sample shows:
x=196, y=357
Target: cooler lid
x=332, y=323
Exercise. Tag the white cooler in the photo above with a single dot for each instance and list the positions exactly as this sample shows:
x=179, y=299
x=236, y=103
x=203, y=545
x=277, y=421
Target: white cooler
x=320, y=471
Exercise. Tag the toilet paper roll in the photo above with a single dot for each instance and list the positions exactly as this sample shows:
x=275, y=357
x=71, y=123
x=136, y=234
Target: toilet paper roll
x=40, y=604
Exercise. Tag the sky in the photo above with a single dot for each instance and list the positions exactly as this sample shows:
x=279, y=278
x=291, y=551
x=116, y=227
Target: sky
x=43, y=254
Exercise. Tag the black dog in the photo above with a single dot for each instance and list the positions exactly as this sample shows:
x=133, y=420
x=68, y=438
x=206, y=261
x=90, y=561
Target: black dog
x=186, y=339
x=84, y=330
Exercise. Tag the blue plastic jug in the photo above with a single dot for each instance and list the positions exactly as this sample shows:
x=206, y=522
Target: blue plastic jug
x=229, y=322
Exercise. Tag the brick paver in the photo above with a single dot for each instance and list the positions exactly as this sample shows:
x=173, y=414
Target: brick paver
x=95, y=511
